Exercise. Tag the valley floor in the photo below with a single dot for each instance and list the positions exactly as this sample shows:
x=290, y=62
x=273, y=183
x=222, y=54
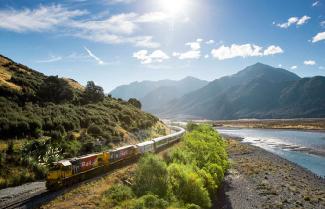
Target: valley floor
x=259, y=179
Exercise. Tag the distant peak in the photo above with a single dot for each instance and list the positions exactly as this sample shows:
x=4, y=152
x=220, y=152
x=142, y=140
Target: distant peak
x=191, y=78
x=259, y=64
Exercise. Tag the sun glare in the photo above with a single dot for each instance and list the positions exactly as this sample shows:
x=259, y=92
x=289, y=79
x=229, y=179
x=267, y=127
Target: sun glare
x=173, y=7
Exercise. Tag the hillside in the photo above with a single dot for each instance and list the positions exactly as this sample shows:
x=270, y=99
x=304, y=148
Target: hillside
x=46, y=118
x=258, y=91
x=155, y=94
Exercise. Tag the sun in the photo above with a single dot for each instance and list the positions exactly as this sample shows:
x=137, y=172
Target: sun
x=173, y=7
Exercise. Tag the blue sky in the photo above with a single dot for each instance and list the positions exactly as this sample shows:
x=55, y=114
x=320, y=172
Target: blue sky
x=114, y=42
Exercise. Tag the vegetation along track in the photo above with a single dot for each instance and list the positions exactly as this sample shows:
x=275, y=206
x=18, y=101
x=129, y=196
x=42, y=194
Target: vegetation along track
x=42, y=196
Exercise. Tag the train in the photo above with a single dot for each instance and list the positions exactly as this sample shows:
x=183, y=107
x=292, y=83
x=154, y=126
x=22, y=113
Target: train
x=71, y=171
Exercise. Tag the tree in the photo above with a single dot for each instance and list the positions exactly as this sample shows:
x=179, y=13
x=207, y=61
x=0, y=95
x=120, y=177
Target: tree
x=187, y=185
x=136, y=103
x=93, y=93
x=56, y=90
x=151, y=176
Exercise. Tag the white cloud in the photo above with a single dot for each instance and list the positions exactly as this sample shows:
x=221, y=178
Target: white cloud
x=279, y=65
x=192, y=54
x=206, y=56
x=92, y=55
x=303, y=20
x=41, y=19
x=315, y=3
x=245, y=50
x=321, y=67
x=271, y=50
x=119, y=29
x=294, y=20
x=115, y=29
x=210, y=42
x=291, y=20
x=155, y=57
x=194, y=45
x=319, y=37
x=309, y=62
x=51, y=59
x=294, y=67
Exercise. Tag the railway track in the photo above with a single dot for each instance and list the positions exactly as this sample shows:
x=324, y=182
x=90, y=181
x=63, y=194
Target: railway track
x=43, y=196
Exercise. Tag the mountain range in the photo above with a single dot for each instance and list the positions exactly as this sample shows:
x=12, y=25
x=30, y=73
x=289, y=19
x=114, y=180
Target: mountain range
x=258, y=91
x=153, y=94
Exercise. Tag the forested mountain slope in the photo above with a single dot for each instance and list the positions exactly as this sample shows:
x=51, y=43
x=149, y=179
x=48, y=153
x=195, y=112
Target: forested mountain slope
x=46, y=118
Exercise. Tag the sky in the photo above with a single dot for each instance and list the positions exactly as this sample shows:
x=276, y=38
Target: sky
x=115, y=42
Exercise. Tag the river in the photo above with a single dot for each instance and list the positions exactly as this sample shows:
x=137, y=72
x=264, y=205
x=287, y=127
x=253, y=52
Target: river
x=305, y=148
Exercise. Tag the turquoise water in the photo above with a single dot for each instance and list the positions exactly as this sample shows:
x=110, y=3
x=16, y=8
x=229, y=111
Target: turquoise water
x=304, y=148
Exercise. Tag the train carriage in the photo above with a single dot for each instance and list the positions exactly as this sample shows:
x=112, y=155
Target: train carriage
x=174, y=137
x=145, y=147
x=122, y=153
x=160, y=143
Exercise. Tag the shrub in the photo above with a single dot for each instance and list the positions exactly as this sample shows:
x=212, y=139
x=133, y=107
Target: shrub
x=192, y=206
x=3, y=183
x=2, y=159
x=187, y=186
x=88, y=147
x=10, y=148
x=94, y=130
x=119, y=193
x=72, y=148
x=150, y=201
x=136, y=103
x=39, y=170
x=191, y=126
x=56, y=135
x=151, y=176
x=55, y=90
x=93, y=93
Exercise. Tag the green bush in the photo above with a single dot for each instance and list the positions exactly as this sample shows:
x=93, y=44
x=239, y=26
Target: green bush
x=191, y=126
x=56, y=90
x=151, y=176
x=187, y=186
x=94, y=130
x=71, y=148
x=93, y=93
x=119, y=193
x=150, y=201
x=192, y=206
x=2, y=159
x=136, y=103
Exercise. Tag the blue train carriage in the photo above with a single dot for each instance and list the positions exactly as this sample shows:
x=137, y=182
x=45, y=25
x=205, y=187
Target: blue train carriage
x=123, y=153
x=146, y=147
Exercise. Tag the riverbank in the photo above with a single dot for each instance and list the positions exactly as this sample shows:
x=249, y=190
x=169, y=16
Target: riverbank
x=259, y=179
x=288, y=124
